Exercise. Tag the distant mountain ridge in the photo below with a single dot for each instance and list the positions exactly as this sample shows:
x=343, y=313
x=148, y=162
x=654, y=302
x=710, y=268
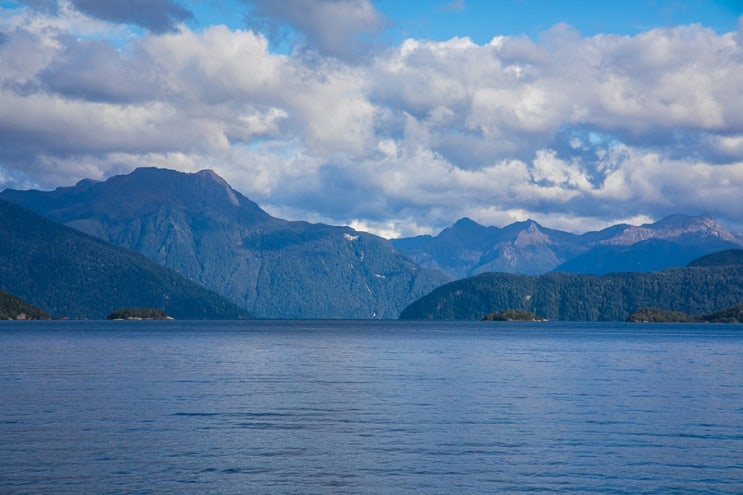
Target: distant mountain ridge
x=468, y=248
x=196, y=224
x=70, y=274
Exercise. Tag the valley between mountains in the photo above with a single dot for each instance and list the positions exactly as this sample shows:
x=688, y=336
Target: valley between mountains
x=199, y=227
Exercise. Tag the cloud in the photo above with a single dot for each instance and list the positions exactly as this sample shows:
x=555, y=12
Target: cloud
x=338, y=28
x=49, y=6
x=575, y=132
x=453, y=6
x=157, y=16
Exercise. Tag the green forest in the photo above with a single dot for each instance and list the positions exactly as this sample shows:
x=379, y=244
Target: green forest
x=733, y=314
x=138, y=314
x=70, y=274
x=573, y=297
x=15, y=308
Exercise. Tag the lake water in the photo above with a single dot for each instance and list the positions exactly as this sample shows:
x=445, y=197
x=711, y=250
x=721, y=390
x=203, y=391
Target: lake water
x=312, y=407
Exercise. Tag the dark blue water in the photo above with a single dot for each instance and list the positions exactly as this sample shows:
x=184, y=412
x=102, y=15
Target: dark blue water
x=370, y=408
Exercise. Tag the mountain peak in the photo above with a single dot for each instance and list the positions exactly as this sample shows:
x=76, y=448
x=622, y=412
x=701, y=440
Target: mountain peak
x=527, y=247
x=143, y=191
x=202, y=189
x=209, y=175
x=463, y=229
x=465, y=222
x=676, y=226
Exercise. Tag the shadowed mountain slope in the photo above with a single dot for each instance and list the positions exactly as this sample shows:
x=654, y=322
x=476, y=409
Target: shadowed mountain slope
x=68, y=273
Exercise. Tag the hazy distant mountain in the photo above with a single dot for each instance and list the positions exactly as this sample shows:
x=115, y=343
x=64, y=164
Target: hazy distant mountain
x=202, y=228
x=68, y=273
x=467, y=248
x=644, y=256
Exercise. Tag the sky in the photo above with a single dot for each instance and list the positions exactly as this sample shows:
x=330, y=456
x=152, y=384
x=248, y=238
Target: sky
x=393, y=117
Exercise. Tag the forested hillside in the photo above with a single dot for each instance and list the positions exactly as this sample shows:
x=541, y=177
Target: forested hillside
x=561, y=296
x=70, y=274
x=15, y=308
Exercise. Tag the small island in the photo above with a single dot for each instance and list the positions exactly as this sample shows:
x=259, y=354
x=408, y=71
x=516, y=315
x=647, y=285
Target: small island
x=657, y=315
x=733, y=314
x=512, y=315
x=138, y=314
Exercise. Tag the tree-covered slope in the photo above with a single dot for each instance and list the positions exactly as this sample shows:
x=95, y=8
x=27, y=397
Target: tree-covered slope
x=15, y=308
x=562, y=296
x=71, y=274
x=733, y=314
x=728, y=257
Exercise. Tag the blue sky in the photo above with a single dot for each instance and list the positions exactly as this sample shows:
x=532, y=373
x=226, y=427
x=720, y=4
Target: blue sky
x=481, y=20
x=394, y=117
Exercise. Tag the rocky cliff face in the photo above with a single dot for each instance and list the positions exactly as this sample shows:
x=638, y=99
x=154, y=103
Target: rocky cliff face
x=199, y=226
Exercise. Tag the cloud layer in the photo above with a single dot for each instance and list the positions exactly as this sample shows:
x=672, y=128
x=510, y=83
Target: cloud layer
x=576, y=132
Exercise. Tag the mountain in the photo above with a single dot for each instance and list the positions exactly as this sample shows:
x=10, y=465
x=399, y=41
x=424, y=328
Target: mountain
x=199, y=226
x=467, y=248
x=68, y=273
x=576, y=297
x=671, y=242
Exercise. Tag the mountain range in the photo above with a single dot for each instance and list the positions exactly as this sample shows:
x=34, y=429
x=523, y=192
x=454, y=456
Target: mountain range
x=468, y=248
x=197, y=225
x=200, y=227
x=70, y=274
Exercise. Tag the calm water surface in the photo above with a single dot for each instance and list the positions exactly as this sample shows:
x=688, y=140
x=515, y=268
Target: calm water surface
x=276, y=407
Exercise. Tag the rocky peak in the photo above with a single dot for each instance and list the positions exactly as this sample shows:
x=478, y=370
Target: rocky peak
x=673, y=227
x=532, y=234
x=630, y=234
x=676, y=226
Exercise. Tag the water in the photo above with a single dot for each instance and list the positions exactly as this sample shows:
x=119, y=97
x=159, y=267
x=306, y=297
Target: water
x=276, y=407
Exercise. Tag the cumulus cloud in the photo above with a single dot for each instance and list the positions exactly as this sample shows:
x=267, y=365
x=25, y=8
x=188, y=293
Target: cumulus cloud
x=158, y=16
x=50, y=6
x=575, y=132
x=338, y=28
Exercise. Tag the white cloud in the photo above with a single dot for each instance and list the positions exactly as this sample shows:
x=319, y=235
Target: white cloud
x=333, y=27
